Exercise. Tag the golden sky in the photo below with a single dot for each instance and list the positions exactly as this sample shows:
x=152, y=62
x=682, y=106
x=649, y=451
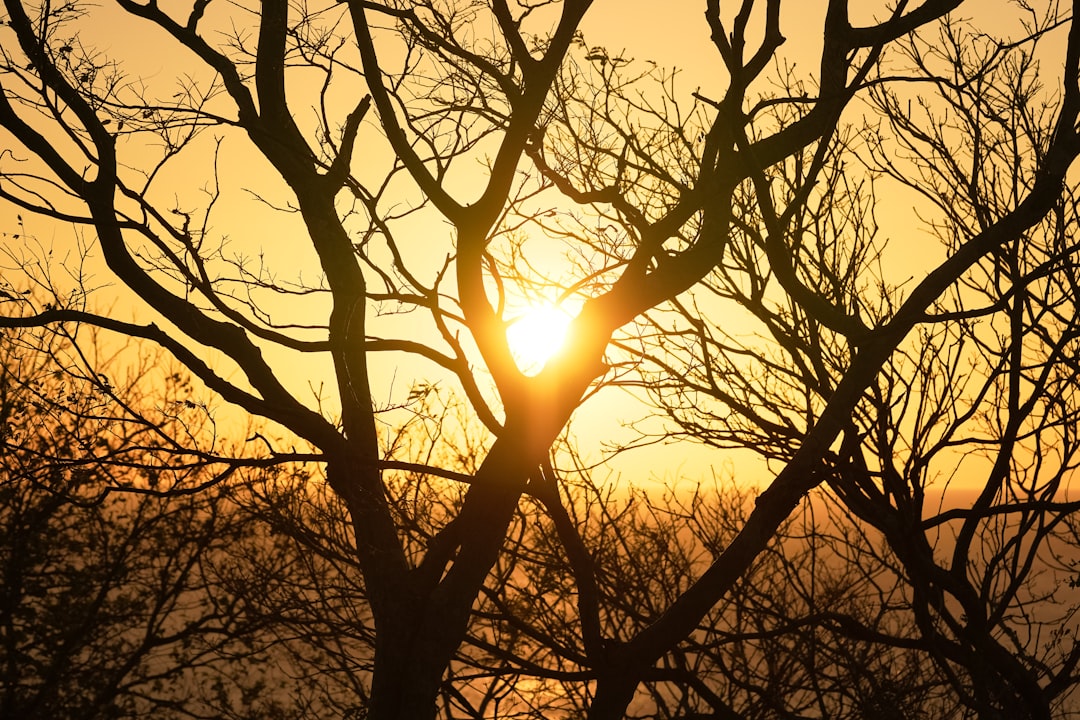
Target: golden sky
x=671, y=34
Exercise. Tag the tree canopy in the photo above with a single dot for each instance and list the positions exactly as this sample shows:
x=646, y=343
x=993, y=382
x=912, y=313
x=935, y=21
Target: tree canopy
x=841, y=263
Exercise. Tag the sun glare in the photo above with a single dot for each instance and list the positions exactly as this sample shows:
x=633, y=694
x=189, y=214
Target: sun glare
x=536, y=335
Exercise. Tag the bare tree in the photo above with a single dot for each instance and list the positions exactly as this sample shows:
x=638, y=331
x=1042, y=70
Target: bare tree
x=409, y=149
x=112, y=605
x=981, y=396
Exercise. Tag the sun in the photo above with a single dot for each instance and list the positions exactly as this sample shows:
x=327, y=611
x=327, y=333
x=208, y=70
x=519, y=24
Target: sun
x=536, y=335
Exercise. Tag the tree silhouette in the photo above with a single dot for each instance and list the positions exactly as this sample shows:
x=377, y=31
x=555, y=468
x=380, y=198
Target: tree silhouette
x=111, y=603
x=413, y=156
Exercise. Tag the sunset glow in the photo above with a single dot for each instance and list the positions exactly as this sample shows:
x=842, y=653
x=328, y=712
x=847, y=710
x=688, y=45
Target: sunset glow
x=536, y=335
x=541, y=358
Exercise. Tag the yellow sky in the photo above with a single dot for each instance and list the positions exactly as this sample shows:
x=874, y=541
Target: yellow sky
x=671, y=34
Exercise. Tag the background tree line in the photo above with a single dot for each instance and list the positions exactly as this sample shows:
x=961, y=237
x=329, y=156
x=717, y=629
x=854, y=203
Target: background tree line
x=307, y=478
